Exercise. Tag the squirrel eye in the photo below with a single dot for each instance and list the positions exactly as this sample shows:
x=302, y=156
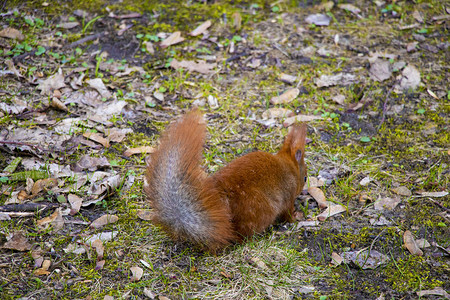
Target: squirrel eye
x=306, y=178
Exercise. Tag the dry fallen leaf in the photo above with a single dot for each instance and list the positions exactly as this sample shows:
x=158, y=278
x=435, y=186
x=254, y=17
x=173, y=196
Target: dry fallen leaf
x=319, y=196
x=387, y=203
x=410, y=243
x=201, y=28
x=192, y=66
x=75, y=203
x=18, y=242
x=99, y=248
x=100, y=87
x=43, y=185
x=410, y=78
x=318, y=19
x=44, y=269
x=350, y=8
x=277, y=112
x=315, y=182
x=104, y=220
x=330, y=211
x=136, y=273
x=402, y=191
x=52, y=83
x=12, y=33
x=380, y=70
x=365, y=259
x=287, y=97
x=336, y=79
x=438, y=291
x=138, y=150
x=173, y=39
x=145, y=214
x=287, y=78
x=97, y=137
x=300, y=118
x=55, y=220
x=433, y=194
x=336, y=259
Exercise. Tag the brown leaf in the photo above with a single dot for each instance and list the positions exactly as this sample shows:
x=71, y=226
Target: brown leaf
x=410, y=243
x=287, y=78
x=192, y=66
x=43, y=185
x=336, y=259
x=300, y=118
x=319, y=196
x=52, y=83
x=138, y=150
x=145, y=214
x=99, y=248
x=387, y=203
x=277, y=112
x=287, y=97
x=58, y=104
x=75, y=203
x=136, y=273
x=201, y=28
x=330, y=211
x=104, y=220
x=380, y=70
x=55, y=220
x=18, y=242
x=402, y=191
x=99, y=265
x=173, y=39
x=100, y=87
x=12, y=33
x=44, y=269
x=97, y=137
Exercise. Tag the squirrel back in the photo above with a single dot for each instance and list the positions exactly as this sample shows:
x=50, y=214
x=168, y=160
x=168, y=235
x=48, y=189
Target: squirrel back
x=185, y=204
x=241, y=199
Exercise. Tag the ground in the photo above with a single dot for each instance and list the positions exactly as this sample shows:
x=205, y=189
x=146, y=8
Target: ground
x=84, y=82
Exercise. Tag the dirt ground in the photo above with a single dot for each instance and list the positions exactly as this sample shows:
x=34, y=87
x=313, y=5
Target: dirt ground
x=88, y=86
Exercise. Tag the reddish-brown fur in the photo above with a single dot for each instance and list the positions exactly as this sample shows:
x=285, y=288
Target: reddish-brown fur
x=241, y=199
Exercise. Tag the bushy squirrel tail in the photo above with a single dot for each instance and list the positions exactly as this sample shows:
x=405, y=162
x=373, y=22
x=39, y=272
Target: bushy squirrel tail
x=185, y=201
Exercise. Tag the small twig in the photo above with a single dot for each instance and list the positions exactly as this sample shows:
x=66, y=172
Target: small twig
x=86, y=39
x=439, y=204
x=22, y=144
x=385, y=105
x=26, y=207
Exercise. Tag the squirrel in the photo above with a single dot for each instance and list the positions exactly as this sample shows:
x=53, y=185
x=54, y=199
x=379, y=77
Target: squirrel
x=241, y=199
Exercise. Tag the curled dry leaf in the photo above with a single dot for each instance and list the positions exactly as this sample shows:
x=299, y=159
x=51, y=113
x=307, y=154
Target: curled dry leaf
x=97, y=137
x=201, y=28
x=104, y=220
x=319, y=196
x=330, y=211
x=173, y=39
x=100, y=87
x=138, y=150
x=410, y=243
x=58, y=104
x=18, y=242
x=136, y=273
x=43, y=185
x=287, y=97
x=315, y=182
x=300, y=118
x=55, y=220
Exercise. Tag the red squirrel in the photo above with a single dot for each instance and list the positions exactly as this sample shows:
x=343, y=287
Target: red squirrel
x=243, y=198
